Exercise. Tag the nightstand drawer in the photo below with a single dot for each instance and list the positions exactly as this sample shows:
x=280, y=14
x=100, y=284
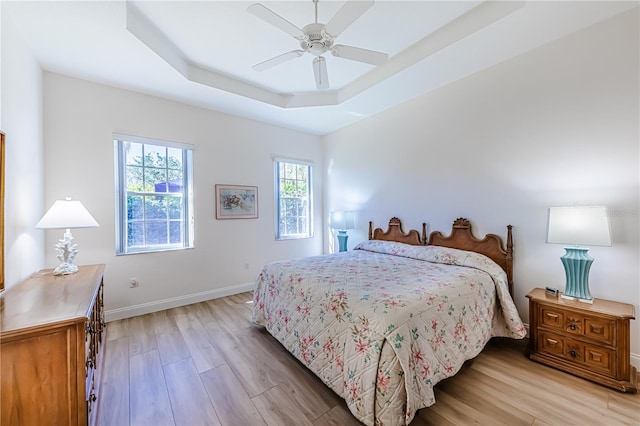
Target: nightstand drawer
x=595, y=357
x=600, y=329
x=551, y=317
x=551, y=343
x=600, y=359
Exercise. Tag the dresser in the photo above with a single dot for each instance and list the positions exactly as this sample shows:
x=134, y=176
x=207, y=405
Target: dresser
x=588, y=340
x=52, y=332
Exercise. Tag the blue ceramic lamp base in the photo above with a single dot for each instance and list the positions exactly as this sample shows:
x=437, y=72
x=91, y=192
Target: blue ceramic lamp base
x=342, y=240
x=577, y=263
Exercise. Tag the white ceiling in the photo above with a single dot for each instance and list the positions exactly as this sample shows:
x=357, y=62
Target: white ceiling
x=201, y=52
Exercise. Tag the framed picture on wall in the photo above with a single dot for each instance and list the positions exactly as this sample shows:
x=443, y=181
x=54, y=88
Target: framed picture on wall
x=236, y=202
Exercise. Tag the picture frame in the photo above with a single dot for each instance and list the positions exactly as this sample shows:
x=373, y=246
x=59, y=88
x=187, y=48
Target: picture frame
x=236, y=202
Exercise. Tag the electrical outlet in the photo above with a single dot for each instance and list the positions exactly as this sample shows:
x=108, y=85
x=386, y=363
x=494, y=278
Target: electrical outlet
x=133, y=282
x=246, y=266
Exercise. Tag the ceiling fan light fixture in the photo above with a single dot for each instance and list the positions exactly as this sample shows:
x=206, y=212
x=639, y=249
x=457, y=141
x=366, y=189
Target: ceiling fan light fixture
x=320, y=72
x=317, y=48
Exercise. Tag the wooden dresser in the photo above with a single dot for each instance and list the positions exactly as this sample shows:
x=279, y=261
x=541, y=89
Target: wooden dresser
x=51, y=334
x=588, y=340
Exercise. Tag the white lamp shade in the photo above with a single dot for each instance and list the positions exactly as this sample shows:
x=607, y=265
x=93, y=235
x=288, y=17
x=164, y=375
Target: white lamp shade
x=579, y=225
x=342, y=220
x=66, y=214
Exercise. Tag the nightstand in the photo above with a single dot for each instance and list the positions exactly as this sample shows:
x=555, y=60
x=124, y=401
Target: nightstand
x=591, y=341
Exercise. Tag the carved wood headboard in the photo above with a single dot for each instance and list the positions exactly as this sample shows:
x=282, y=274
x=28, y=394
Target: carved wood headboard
x=395, y=233
x=461, y=237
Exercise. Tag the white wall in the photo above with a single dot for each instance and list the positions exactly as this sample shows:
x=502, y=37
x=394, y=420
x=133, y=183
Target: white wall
x=79, y=119
x=553, y=127
x=21, y=121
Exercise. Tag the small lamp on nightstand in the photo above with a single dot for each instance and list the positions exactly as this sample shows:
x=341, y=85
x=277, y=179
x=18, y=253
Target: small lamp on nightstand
x=67, y=214
x=342, y=221
x=579, y=226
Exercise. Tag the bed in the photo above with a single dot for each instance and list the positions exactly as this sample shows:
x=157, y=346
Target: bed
x=382, y=324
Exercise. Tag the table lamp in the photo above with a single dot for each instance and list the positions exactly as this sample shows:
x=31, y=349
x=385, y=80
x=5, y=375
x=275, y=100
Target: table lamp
x=66, y=214
x=342, y=221
x=579, y=226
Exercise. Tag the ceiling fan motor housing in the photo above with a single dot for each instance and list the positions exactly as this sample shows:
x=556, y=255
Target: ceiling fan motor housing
x=317, y=42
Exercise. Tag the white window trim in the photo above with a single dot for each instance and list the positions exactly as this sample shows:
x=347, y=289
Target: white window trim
x=120, y=204
x=152, y=141
x=308, y=163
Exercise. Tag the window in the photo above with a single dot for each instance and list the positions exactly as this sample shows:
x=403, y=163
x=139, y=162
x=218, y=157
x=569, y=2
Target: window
x=293, y=200
x=153, y=195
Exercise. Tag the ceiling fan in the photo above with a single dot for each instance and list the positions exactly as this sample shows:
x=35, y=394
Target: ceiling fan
x=317, y=39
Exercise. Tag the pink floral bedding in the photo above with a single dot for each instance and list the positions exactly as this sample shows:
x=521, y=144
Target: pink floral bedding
x=382, y=324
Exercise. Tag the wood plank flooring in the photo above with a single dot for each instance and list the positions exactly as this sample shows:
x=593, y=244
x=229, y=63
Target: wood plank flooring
x=206, y=364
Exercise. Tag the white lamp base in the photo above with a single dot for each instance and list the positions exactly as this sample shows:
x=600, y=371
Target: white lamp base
x=576, y=299
x=66, y=253
x=65, y=269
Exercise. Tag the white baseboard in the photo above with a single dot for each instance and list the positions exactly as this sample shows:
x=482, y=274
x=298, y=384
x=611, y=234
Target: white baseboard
x=635, y=361
x=174, y=302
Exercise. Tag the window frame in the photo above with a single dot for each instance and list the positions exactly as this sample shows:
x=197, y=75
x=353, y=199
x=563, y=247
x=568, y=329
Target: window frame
x=310, y=219
x=121, y=192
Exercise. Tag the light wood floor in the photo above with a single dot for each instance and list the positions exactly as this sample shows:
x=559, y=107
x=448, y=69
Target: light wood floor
x=207, y=364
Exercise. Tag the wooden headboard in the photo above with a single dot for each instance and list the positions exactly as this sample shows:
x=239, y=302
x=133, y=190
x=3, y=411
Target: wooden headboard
x=461, y=237
x=395, y=233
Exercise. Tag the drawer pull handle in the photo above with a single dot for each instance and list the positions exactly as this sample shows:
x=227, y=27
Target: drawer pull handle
x=573, y=353
x=573, y=326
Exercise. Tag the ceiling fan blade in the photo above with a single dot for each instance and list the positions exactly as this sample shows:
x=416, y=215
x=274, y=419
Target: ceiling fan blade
x=361, y=55
x=320, y=72
x=348, y=13
x=276, y=20
x=277, y=60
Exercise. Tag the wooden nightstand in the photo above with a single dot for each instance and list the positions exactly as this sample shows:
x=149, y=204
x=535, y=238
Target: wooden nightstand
x=588, y=340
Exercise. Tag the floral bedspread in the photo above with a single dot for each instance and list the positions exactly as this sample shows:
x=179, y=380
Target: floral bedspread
x=430, y=308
